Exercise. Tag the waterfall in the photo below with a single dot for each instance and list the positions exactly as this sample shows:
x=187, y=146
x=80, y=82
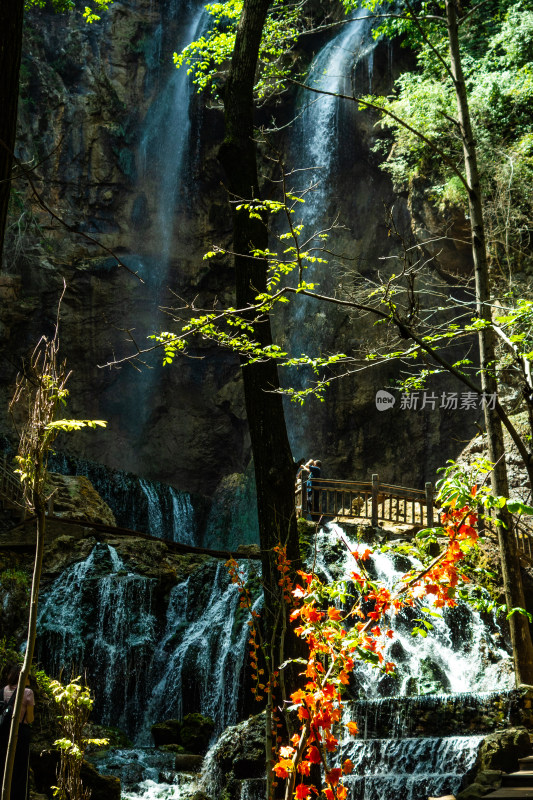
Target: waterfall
x=432, y=715
x=463, y=653
x=100, y=618
x=138, y=504
x=170, y=513
x=200, y=658
x=318, y=140
x=165, y=143
x=97, y=617
x=100, y=615
x=317, y=128
x=410, y=769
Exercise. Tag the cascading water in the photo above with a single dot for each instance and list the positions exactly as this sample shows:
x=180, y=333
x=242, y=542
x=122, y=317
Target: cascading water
x=177, y=523
x=411, y=743
x=211, y=647
x=318, y=140
x=138, y=504
x=316, y=130
x=463, y=653
x=165, y=144
x=98, y=616
x=462, y=656
x=163, y=167
x=410, y=769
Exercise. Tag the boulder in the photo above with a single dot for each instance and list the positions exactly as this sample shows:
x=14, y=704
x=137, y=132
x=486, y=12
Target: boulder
x=501, y=750
x=74, y=497
x=473, y=791
x=172, y=748
x=188, y=762
x=167, y=732
x=196, y=731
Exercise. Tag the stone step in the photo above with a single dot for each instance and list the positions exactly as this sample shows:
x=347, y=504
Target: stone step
x=522, y=778
x=515, y=792
x=526, y=763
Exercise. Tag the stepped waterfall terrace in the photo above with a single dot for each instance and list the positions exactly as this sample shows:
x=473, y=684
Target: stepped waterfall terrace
x=123, y=620
x=122, y=614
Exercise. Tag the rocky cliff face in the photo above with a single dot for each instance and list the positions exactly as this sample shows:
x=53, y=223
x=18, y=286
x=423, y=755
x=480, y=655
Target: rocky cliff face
x=103, y=119
x=86, y=94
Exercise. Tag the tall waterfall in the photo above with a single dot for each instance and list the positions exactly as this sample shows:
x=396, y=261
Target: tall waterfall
x=165, y=144
x=319, y=137
x=317, y=130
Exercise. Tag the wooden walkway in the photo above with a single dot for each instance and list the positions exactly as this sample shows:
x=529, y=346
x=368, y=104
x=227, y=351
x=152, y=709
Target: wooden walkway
x=374, y=501
x=384, y=502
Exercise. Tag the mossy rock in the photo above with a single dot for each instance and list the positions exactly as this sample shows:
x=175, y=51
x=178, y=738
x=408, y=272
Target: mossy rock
x=167, y=732
x=196, y=731
x=172, y=748
x=473, y=791
x=501, y=750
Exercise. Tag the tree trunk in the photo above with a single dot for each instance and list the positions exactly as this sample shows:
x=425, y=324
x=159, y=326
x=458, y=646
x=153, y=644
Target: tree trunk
x=273, y=463
x=11, y=17
x=510, y=561
x=30, y=646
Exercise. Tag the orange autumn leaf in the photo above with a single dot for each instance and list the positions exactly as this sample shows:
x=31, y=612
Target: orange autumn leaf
x=283, y=767
x=313, y=755
x=302, y=791
x=298, y=697
x=352, y=728
x=347, y=767
x=334, y=613
x=334, y=776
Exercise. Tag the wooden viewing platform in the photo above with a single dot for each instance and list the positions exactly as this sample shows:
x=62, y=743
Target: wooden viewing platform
x=373, y=500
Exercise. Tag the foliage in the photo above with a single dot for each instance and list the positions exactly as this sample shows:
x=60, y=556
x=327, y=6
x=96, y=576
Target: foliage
x=69, y=5
x=497, y=59
x=74, y=704
x=40, y=394
x=208, y=57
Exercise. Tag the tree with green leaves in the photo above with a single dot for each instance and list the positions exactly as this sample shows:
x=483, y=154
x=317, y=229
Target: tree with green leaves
x=440, y=37
x=37, y=403
x=74, y=704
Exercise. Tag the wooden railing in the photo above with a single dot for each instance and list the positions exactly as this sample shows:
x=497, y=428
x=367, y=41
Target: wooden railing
x=371, y=500
x=11, y=494
x=331, y=498
x=377, y=501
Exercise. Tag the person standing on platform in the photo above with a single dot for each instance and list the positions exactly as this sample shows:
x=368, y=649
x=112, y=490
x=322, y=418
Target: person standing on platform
x=19, y=783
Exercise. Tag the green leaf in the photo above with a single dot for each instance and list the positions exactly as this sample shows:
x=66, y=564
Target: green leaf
x=517, y=507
